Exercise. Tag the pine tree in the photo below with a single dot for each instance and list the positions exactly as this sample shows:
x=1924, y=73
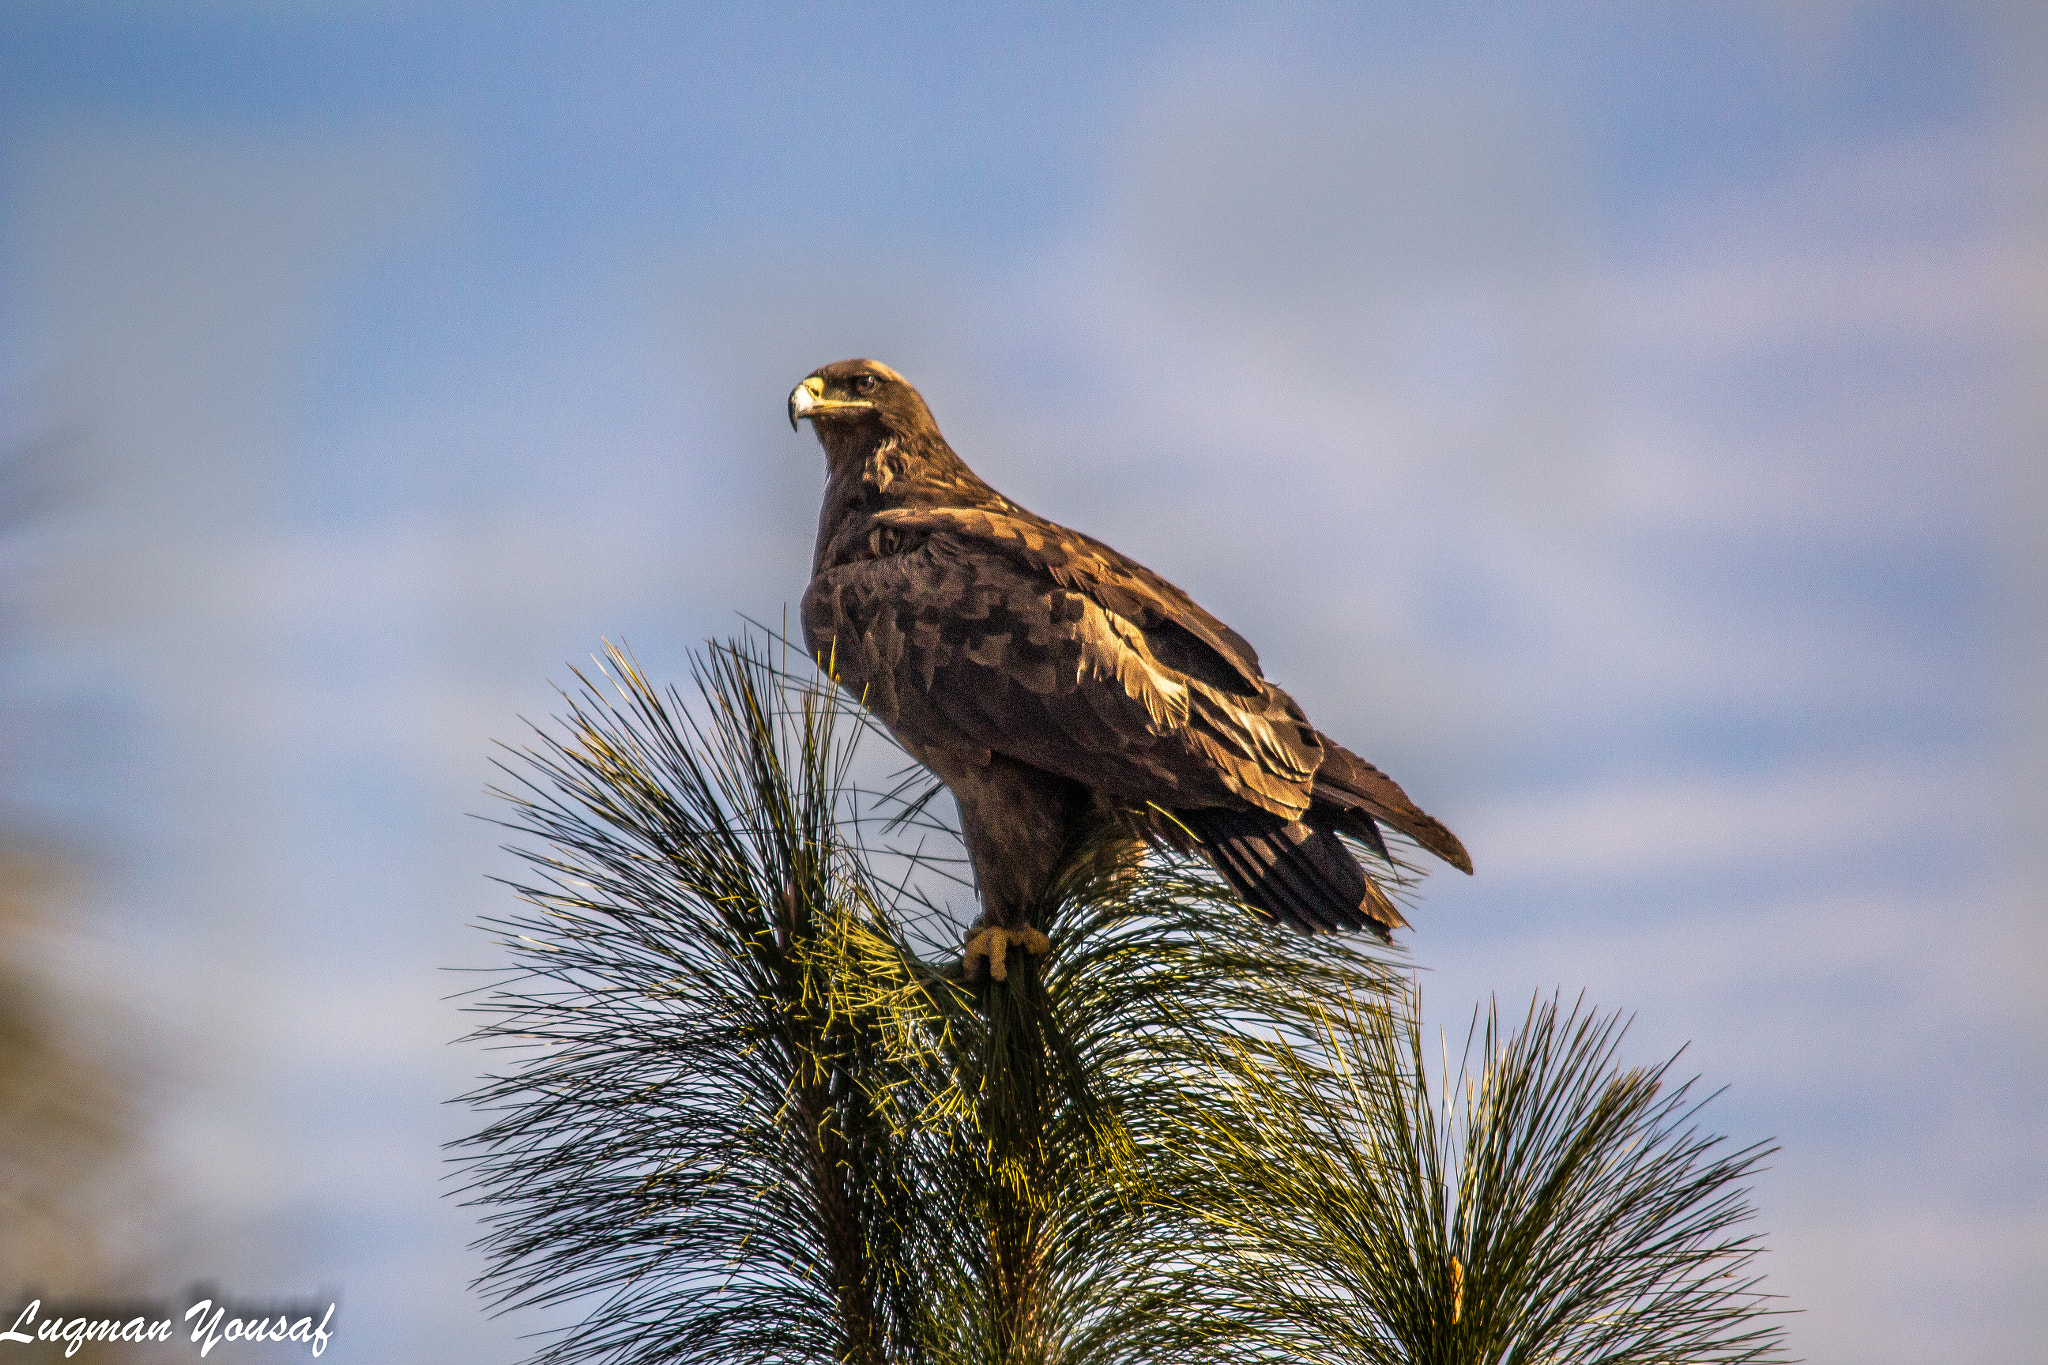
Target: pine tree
x=753, y=1110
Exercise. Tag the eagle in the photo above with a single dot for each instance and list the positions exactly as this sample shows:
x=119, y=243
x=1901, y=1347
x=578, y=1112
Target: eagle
x=1071, y=699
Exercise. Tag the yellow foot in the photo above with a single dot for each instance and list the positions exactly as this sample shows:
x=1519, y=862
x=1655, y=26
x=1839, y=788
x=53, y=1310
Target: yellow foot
x=994, y=943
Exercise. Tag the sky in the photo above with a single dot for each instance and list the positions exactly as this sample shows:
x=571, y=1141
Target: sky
x=1622, y=424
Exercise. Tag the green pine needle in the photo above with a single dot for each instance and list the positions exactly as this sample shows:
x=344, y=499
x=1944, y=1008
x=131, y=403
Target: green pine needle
x=1547, y=1207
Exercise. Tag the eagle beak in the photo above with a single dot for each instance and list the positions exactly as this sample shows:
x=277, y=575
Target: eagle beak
x=803, y=398
x=808, y=400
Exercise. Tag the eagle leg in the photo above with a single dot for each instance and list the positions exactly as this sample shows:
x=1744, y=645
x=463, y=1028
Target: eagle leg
x=1019, y=824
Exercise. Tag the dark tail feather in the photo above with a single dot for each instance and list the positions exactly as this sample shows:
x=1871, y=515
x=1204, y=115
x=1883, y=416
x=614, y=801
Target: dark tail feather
x=1347, y=783
x=1296, y=872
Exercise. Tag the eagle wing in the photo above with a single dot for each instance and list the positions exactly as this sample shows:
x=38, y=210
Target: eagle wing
x=1185, y=636
x=969, y=628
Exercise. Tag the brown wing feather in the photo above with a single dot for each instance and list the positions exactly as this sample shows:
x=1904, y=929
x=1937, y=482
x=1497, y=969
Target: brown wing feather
x=951, y=642
x=1179, y=633
x=1351, y=785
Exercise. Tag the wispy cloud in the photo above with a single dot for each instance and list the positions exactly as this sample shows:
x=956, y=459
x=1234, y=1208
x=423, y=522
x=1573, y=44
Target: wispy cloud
x=1660, y=556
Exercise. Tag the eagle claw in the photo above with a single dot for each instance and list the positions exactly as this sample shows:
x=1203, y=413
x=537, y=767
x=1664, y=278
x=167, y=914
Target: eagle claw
x=994, y=942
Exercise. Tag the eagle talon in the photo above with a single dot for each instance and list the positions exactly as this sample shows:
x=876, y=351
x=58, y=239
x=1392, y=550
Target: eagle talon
x=993, y=943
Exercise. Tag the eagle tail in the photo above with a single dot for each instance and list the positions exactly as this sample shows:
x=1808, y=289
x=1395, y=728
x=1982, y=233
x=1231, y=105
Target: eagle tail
x=1296, y=872
x=1353, y=792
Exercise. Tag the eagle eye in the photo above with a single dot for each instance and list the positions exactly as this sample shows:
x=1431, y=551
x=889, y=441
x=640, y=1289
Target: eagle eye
x=864, y=383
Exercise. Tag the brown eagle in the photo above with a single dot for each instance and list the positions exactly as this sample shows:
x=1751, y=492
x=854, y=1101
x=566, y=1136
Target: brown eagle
x=1056, y=687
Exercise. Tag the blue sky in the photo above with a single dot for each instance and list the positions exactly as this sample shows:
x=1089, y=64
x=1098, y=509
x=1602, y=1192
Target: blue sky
x=1622, y=425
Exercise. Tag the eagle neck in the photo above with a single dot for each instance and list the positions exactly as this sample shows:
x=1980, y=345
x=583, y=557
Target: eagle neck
x=873, y=475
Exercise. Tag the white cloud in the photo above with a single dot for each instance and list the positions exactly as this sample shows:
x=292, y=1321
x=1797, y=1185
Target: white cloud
x=1678, y=826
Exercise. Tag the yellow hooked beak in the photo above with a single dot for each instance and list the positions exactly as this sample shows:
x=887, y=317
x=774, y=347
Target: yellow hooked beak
x=808, y=400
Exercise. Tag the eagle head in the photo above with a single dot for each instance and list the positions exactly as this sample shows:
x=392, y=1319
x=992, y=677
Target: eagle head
x=859, y=393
